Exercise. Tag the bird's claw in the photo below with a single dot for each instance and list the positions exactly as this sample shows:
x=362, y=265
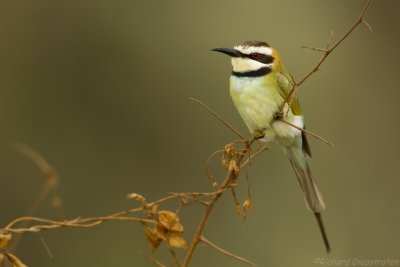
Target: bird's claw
x=259, y=134
x=278, y=115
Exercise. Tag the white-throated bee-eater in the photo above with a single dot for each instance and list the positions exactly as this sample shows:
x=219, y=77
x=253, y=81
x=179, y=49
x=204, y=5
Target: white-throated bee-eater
x=259, y=87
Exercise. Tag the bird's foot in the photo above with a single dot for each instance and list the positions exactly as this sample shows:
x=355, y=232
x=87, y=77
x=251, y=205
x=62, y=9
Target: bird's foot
x=259, y=134
x=279, y=115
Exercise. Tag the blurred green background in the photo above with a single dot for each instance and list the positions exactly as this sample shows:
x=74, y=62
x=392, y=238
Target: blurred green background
x=101, y=89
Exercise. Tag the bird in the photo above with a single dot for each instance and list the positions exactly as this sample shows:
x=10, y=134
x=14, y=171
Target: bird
x=259, y=87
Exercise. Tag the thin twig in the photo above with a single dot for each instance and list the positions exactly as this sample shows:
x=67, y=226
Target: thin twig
x=153, y=260
x=236, y=200
x=254, y=155
x=162, y=200
x=78, y=223
x=218, y=117
x=308, y=132
x=315, y=48
x=223, y=251
x=51, y=181
x=367, y=24
x=45, y=245
x=249, y=200
x=205, y=194
x=208, y=174
x=173, y=254
x=330, y=40
x=188, y=196
x=330, y=48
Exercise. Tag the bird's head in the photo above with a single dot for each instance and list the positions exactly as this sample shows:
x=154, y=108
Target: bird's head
x=252, y=58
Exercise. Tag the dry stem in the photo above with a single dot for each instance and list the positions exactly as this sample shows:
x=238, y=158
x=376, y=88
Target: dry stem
x=219, y=118
x=308, y=132
x=223, y=251
x=329, y=48
x=153, y=260
x=50, y=184
x=231, y=176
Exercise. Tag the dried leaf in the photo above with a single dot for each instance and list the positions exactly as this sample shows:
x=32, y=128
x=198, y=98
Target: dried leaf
x=5, y=238
x=161, y=232
x=170, y=221
x=233, y=166
x=175, y=240
x=229, y=153
x=211, y=179
x=247, y=205
x=152, y=237
x=136, y=197
x=15, y=261
x=230, y=150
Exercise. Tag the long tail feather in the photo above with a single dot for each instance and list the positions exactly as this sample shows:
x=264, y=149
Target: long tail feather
x=323, y=233
x=310, y=190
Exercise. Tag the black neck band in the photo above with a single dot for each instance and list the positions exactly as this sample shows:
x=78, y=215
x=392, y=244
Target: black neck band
x=254, y=73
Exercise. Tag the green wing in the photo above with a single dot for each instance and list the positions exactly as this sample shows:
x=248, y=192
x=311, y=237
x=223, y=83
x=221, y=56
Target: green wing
x=285, y=83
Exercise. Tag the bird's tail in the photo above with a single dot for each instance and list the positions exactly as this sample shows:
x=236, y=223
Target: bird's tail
x=310, y=190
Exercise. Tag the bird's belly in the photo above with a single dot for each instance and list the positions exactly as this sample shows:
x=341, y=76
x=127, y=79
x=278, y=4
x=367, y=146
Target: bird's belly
x=257, y=105
x=256, y=102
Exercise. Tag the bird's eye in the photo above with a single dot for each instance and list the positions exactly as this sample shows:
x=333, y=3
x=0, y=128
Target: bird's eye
x=255, y=55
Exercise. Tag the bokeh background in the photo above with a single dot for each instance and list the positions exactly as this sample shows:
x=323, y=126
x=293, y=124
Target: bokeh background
x=101, y=89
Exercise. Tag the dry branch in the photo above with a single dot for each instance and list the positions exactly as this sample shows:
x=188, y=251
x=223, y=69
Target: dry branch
x=232, y=175
x=223, y=251
x=308, y=132
x=327, y=51
x=153, y=260
x=219, y=118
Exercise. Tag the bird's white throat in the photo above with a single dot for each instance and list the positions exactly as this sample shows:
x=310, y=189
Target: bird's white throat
x=240, y=64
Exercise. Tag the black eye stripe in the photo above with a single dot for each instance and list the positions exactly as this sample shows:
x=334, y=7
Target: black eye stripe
x=263, y=58
x=266, y=59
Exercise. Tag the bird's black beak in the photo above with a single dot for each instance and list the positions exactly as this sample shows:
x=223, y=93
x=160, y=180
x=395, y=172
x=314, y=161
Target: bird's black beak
x=229, y=51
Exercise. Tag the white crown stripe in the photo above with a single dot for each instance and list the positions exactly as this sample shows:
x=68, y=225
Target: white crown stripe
x=254, y=49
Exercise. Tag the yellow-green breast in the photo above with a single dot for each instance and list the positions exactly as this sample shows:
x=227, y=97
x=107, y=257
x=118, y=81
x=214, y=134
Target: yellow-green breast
x=257, y=99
